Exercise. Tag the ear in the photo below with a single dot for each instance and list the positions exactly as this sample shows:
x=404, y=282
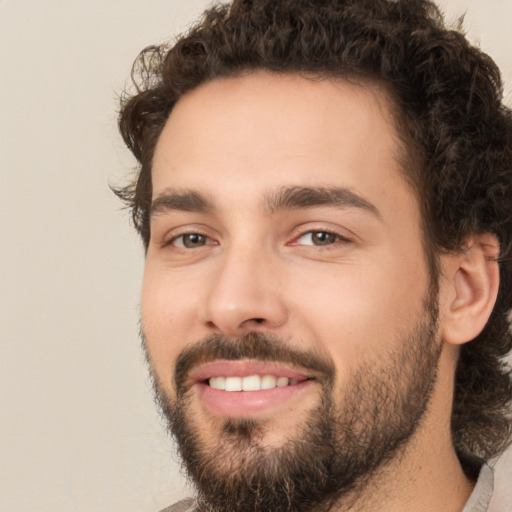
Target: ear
x=470, y=287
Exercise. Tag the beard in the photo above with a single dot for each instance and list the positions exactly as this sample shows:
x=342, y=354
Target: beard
x=339, y=445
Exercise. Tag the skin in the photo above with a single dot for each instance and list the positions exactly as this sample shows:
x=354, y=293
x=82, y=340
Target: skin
x=237, y=143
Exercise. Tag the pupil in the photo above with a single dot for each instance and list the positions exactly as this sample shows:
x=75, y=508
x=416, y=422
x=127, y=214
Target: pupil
x=193, y=240
x=323, y=238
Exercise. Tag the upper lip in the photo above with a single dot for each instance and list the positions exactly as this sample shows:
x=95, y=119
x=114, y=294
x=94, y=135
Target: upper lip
x=244, y=368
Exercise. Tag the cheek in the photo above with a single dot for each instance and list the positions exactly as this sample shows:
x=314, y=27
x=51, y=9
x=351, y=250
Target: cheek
x=167, y=307
x=360, y=311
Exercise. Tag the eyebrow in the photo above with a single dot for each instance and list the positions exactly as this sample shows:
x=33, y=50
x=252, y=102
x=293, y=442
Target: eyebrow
x=295, y=198
x=184, y=201
x=286, y=198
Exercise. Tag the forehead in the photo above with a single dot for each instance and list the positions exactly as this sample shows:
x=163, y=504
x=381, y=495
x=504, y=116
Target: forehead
x=257, y=132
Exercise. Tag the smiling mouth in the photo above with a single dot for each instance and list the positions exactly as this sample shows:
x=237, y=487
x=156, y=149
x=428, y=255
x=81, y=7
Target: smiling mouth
x=251, y=382
x=246, y=388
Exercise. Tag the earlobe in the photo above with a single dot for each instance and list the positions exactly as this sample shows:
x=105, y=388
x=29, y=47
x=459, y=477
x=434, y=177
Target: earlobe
x=473, y=279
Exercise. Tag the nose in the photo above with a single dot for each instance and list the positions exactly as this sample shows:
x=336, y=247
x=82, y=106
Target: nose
x=245, y=294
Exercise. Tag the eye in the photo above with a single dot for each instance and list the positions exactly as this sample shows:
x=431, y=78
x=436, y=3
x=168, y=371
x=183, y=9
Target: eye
x=319, y=238
x=191, y=241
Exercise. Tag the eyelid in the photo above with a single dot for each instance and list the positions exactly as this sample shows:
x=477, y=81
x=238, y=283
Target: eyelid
x=303, y=231
x=182, y=245
x=177, y=233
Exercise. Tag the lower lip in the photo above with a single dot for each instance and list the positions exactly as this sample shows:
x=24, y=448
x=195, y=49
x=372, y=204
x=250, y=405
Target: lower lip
x=238, y=404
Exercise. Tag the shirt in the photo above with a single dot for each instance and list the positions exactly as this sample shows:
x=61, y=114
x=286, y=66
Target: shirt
x=484, y=498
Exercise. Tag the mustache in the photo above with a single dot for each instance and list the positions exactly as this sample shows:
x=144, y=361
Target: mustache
x=253, y=345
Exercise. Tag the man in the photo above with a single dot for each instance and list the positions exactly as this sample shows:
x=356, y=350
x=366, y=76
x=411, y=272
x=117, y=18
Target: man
x=325, y=200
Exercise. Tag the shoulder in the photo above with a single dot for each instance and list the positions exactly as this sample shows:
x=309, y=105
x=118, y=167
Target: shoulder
x=182, y=506
x=502, y=493
x=492, y=492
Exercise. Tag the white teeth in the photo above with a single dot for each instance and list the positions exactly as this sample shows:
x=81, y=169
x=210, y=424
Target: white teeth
x=268, y=382
x=233, y=384
x=282, y=382
x=250, y=383
x=218, y=383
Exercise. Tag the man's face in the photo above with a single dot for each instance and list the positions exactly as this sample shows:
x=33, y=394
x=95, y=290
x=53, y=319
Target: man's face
x=286, y=260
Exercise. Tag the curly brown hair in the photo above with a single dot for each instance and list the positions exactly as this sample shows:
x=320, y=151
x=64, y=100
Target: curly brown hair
x=456, y=133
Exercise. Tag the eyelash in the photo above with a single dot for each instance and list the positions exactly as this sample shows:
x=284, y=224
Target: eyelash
x=207, y=240
x=172, y=241
x=338, y=238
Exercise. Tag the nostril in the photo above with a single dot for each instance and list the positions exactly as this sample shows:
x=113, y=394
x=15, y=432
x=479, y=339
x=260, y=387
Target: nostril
x=258, y=320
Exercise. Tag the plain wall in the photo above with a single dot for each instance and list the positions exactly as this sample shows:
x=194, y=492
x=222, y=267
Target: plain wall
x=79, y=431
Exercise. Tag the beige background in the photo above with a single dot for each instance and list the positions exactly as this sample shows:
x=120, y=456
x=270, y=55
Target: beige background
x=79, y=431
